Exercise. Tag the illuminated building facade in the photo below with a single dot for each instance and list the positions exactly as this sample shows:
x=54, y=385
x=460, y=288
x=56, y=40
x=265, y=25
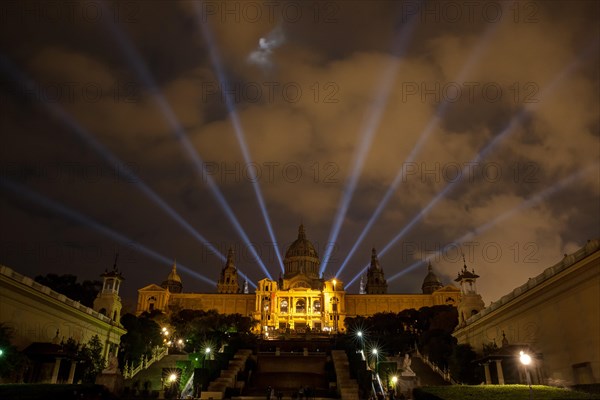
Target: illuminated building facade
x=300, y=300
x=554, y=316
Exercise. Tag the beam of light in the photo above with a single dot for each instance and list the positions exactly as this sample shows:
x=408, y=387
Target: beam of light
x=367, y=132
x=178, y=131
x=85, y=136
x=59, y=113
x=423, y=136
x=512, y=124
x=81, y=219
x=246, y=278
x=530, y=202
x=524, y=205
x=237, y=125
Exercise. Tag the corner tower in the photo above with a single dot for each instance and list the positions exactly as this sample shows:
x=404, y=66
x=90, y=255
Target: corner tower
x=173, y=282
x=431, y=283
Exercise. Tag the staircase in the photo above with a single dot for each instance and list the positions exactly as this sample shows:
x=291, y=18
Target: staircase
x=228, y=378
x=426, y=375
x=347, y=387
x=153, y=373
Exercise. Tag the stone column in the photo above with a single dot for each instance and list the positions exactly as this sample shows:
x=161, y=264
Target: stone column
x=500, y=372
x=72, y=371
x=488, y=377
x=55, y=370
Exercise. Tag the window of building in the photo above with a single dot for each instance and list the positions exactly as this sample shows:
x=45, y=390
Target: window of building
x=317, y=306
x=284, y=306
x=300, y=306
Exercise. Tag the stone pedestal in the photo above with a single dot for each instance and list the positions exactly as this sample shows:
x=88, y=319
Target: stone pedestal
x=406, y=384
x=113, y=381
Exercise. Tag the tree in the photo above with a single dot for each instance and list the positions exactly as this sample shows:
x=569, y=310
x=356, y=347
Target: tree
x=84, y=292
x=11, y=360
x=209, y=328
x=462, y=366
x=143, y=335
x=91, y=358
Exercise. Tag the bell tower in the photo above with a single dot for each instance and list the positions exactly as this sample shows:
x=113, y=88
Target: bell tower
x=376, y=283
x=471, y=302
x=108, y=301
x=228, y=282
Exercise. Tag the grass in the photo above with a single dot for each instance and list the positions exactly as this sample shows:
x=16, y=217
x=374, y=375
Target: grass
x=499, y=392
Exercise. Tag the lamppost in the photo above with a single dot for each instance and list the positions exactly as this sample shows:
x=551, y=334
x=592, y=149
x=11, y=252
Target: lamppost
x=172, y=379
x=374, y=352
x=394, y=382
x=206, y=355
x=526, y=360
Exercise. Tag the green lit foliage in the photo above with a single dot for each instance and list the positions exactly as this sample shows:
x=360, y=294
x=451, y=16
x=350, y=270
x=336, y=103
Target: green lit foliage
x=11, y=361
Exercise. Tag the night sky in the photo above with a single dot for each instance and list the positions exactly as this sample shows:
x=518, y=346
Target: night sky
x=157, y=129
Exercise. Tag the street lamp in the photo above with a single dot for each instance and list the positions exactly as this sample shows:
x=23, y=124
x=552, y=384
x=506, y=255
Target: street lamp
x=374, y=352
x=526, y=360
x=394, y=382
x=359, y=335
x=206, y=355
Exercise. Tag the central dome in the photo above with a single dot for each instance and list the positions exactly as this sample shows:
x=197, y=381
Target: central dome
x=301, y=246
x=301, y=257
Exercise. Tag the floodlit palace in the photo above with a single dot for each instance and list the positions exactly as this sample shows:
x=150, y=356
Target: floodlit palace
x=300, y=299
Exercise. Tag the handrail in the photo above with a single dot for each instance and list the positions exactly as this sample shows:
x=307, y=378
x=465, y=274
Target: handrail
x=444, y=373
x=158, y=354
